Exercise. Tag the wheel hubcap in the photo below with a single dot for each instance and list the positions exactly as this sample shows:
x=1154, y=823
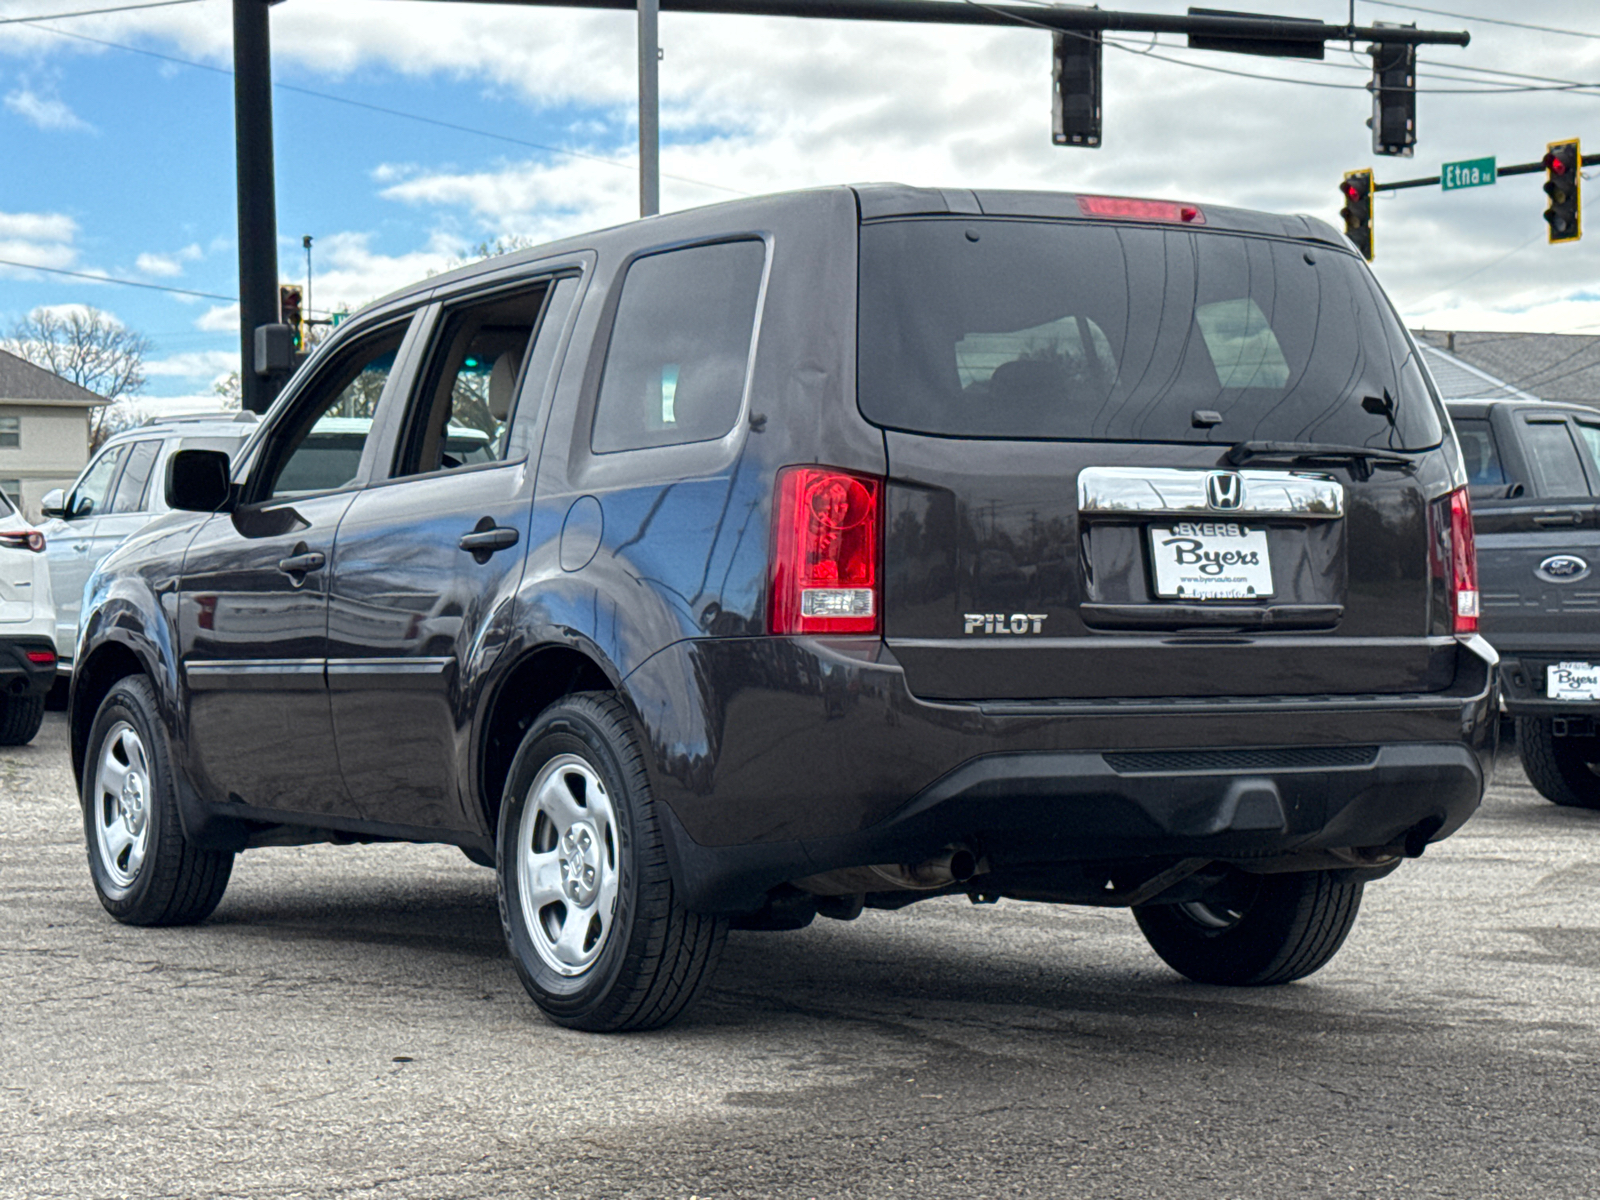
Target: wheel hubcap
x=568, y=864
x=121, y=805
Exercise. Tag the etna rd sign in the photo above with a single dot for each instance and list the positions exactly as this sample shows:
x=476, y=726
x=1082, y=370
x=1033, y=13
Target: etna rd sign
x=1474, y=172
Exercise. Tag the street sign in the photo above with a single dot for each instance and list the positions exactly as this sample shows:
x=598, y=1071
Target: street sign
x=1474, y=172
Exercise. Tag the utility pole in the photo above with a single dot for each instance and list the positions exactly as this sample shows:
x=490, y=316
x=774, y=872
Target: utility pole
x=306, y=242
x=258, y=206
x=649, y=108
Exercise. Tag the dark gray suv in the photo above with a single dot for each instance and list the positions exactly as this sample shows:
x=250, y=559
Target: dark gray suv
x=1534, y=470
x=815, y=553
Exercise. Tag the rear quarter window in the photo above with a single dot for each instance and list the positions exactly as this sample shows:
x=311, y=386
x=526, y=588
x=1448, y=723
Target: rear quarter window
x=679, y=351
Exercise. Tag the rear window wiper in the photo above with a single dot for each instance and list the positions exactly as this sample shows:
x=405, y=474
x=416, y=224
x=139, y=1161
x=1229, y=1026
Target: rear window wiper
x=1362, y=460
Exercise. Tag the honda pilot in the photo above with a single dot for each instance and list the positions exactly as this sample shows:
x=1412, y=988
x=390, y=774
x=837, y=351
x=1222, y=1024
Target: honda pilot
x=817, y=553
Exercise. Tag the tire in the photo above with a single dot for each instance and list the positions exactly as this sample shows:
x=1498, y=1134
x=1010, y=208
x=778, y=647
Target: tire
x=596, y=931
x=144, y=868
x=20, y=718
x=1559, y=766
x=1276, y=929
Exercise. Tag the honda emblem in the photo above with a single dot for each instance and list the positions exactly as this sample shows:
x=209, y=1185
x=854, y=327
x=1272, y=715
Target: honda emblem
x=1224, y=489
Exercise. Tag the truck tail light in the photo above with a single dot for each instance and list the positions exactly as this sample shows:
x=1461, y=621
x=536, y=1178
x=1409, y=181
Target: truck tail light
x=1455, y=559
x=29, y=539
x=826, y=544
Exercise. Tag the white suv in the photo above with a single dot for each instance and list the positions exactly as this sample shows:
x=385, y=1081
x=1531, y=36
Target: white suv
x=27, y=628
x=120, y=492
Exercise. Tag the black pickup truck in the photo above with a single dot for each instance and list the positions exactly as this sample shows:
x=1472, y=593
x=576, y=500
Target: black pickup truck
x=1534, y=472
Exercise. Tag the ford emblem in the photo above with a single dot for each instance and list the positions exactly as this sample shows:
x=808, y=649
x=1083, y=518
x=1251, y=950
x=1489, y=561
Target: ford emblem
x=1562, y=568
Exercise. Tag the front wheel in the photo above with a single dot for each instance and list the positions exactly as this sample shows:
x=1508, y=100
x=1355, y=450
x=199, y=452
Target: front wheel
x=594, y=926
x=1270, y=929
x=144, y=868
x=1559, y=767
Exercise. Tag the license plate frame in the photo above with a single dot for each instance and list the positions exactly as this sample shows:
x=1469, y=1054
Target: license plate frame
x=1210, y=561
x=1572, y=681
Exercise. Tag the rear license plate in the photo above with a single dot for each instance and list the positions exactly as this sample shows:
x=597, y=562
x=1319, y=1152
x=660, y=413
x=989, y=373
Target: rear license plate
x=1572, y=681
x=1210, y=560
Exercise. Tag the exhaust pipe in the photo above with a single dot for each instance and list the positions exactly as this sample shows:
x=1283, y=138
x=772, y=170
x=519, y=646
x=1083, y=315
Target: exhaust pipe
x=956, y=864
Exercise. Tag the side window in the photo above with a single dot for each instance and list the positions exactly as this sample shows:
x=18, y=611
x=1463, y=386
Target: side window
x=129, y=496
x=680, y=347
x=320, y=446
x=463, y=413
x=1478, y=450
x=10, y=433
x=1554, y=458
x=1589, y=435
x=89, y=497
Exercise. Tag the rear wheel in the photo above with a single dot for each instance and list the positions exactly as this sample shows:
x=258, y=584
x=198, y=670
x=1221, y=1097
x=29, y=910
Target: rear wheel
x=20, y=718
x=1270, y=929
x=1561, y=768
x=144, y=869
x=595, y=928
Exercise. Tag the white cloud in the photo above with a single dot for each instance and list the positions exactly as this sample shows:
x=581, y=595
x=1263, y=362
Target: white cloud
x=351, y=273
x=37, y=239
x=164, y=265
x=220, y=318
x=45, y=112
x=204, y=365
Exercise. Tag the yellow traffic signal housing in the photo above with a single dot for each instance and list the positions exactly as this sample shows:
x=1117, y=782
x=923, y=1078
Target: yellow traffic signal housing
x=1357, y=211
x=1563, y=183
x=289, y=313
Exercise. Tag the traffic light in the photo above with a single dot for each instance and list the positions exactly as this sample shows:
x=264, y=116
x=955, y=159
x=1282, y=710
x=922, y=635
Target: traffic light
x=1563, y=183
x=1394, y=98
x=1075, y=89
x=289, y=313
x=1357, y=211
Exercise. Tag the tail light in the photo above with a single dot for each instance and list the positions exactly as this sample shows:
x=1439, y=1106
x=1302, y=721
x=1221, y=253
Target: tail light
x=30, y=539
x=41, y=658
x=826, y=541
x=1454, y=559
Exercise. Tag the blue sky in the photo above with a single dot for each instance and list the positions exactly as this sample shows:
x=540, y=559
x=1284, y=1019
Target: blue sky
x=121, y=164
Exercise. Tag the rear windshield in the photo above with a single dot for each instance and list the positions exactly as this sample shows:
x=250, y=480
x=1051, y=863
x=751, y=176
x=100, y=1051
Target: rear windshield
x=1032, y=329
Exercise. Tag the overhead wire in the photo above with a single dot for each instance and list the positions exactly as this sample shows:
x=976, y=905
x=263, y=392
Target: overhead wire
x=94, y=12
x=154, y=287
x=1440, y=12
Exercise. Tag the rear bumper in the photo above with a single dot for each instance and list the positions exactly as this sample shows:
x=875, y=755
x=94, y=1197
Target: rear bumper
x=1522, y=686
x=783, y=758
x=21, y=676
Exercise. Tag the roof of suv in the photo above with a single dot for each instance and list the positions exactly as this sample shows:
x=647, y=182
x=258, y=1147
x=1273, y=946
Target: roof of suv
x=873, y=201
x=224, y=424
x=1479, y=406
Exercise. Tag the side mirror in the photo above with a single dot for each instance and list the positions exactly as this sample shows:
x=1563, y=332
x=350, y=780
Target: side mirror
x=54, y=504
x=197, y=481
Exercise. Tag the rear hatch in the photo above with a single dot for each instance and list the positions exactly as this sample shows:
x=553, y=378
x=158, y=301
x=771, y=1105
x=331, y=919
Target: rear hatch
x=1148, y=459
x=18, y=568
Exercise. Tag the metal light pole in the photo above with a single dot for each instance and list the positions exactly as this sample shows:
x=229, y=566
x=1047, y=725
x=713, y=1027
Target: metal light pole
x=649, y=109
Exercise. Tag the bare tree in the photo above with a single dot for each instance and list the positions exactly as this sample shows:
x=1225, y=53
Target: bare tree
x=92, y=349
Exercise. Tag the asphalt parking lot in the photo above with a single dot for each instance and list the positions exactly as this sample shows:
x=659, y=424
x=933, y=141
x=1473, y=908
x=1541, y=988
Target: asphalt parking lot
x=347, y=1025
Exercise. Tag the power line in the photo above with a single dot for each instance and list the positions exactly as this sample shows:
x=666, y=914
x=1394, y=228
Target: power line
x=393, y=112
x=1439, y=12
x=94, y=12
x=154, y=287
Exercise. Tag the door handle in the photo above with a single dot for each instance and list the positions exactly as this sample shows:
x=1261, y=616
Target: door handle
x=1553, y=519
x=299, y=564
x=481, y=543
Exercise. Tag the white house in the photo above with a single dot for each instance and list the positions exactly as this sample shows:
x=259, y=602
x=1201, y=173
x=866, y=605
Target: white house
x=44, y=431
